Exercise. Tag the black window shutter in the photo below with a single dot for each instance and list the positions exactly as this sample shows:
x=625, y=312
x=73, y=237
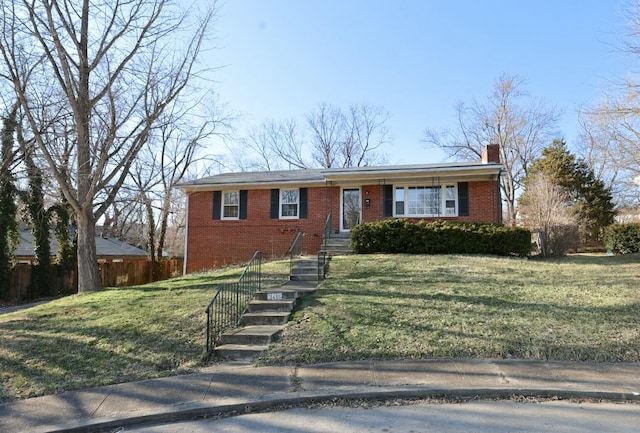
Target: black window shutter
x=243, y=204
x=463, y=199
x=388, y=200
x=303, y=203
x=217, y=204
x=275, y=203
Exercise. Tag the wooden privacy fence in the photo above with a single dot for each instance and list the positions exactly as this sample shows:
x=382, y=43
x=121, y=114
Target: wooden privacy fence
x=112, y=274
x=136, y=272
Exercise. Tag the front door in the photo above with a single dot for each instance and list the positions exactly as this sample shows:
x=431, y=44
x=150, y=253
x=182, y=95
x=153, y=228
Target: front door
x=350, y=208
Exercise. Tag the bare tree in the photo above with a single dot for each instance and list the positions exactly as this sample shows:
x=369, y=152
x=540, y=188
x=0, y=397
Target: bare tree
x=173, y=148
x=275, y=145
x=333, y=138
x=351, y=139
x=111, y=69
x=601, y=150
x=611, y=127
x=544, y=208
x=609, y=143
x=510, y=118
x=367, y=133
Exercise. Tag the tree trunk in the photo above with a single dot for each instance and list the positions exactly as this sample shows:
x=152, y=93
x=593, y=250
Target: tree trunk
x=88, y=275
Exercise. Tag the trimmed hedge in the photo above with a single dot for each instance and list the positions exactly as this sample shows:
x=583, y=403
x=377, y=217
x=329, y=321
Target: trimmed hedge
x=399, y=235
x=623, y=238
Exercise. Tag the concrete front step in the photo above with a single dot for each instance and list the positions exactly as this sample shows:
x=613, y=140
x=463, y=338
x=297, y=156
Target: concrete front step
x=265, y=318
x=250, y=335
x=304, y=277
x=286, y=294
x=338, y=241
x=239, y=352
x=305, y=269
x=256, y=306
x=304, y=266
x=278, y=295
x=337, y=245
x=335, y=248
x=336, y=252
x=267, y=314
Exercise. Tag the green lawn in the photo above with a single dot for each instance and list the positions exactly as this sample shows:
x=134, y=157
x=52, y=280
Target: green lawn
x=580, y=308
x=370, y=307
x=116, y=335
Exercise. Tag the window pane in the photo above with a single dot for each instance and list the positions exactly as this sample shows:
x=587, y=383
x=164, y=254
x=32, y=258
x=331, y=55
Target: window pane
x=232, y=198
x=289, y=196
x=434, y=201
x=450, y=200
x=451, y=207
x=231, y=211
x=423, y=200
x=289, y=203
x=450, y=192
x=399, y=194
x=231, y=204
x=290, y=210
x=399, y=201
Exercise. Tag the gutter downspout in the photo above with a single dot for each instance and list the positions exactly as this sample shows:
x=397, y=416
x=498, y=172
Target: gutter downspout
x=499, y=196
x=186, y=238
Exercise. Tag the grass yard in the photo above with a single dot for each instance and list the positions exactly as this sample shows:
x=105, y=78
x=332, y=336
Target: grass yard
x=580, y=308
x=116, y=335
x=370, y=307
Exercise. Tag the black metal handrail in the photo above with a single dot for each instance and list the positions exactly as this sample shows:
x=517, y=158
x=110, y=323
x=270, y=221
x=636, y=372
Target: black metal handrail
x=327, y=229
x=228, y=304
x=323, y=265
x=295, y=250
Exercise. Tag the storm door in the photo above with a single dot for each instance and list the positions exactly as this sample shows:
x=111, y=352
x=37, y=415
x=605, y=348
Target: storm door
x=351, y=209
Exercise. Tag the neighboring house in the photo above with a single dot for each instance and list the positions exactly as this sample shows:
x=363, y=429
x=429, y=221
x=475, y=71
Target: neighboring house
x=232, y=215
x=107, y=249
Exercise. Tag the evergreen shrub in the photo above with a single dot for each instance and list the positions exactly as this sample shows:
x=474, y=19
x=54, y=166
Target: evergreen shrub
x=399, y=235
x=623, y=238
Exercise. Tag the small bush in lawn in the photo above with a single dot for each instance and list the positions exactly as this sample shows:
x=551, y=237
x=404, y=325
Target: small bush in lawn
x=397, y=235
x=623, y=238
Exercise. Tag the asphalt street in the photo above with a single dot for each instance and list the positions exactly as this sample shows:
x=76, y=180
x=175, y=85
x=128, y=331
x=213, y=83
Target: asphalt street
x=468, y=417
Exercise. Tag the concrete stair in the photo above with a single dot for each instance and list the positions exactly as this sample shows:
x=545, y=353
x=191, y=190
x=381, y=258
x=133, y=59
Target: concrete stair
x=305, y=268
x=265, y=318
x=338, y=244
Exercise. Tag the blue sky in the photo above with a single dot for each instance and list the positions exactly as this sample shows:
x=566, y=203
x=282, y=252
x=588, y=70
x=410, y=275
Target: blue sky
x=281, y=58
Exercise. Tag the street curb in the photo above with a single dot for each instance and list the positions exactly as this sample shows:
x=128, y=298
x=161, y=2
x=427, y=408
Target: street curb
x=196, y=411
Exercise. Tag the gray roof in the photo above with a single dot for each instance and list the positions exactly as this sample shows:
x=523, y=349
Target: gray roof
x=253, y=177
x=105, y=247
x=310, y=176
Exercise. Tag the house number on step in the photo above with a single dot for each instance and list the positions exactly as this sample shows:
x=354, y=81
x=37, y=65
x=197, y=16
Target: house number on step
x=274, y=296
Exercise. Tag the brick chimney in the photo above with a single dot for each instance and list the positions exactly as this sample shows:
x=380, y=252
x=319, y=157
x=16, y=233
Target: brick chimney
x=491, y=154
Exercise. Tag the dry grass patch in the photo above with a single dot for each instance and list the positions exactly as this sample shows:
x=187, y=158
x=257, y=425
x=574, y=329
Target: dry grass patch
x=581, y=308
x=116, y=335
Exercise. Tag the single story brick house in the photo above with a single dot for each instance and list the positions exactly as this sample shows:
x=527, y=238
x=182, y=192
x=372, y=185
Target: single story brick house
x=231, y=215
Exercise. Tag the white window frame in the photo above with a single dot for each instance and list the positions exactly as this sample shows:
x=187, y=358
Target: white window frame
x=445, y=199
x=282, y=203
x=442, y=211
x=223, y=205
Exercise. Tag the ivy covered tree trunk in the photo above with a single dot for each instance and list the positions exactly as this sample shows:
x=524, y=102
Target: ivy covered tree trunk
x=39, y=218
x=8, y=223
x=67, y=249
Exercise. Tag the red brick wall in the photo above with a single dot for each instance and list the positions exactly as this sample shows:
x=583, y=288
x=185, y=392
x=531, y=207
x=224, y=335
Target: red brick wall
x=484, y=203
x=375, y=211
x=214, y=243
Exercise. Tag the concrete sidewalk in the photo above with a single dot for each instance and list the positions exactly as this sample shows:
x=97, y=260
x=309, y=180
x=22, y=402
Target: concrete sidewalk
x=240, y=388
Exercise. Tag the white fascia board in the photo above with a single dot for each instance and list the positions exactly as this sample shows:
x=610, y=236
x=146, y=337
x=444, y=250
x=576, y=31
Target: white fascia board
x=250, y=186
x=462, y=173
